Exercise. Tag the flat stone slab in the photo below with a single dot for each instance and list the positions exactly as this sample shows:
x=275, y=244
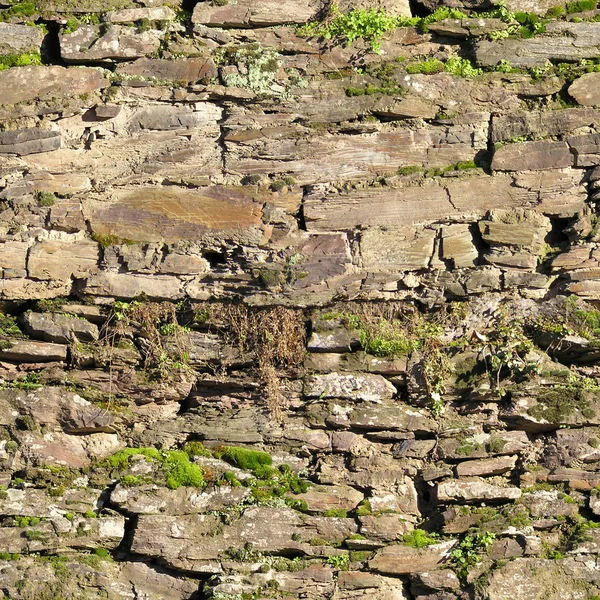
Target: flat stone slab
x=255, y=13
x=321, y=498
x=189, y=70
x=474, y=490
x=171, y=214
x=367, y=387
x=19, y=39
x=27, y=351
x=586, y=89
x=24, y=84
x=532, y=156
x=491, y=466
x=89, y=43
x=60, y=329
x=402, y=560
x=29, y=141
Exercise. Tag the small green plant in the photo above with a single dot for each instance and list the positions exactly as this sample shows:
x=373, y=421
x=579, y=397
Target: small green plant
x=336, y=512
x=180, y=471
x=461, y=67
x=341, y=562
x=20, y=9
x=418, y=538
x=359, y=23
x=468, y=553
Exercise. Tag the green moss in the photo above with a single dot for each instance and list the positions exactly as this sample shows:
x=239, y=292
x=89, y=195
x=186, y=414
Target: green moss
x=9, y=556
x=20, y=60
x=496, y=445
x=120, y=460
x=356, y=536
x=418, y=538
x=105, y=241
x=426, y=67
x=34, y=535
x=409, y=170
x=336, y=512
x=364, y=509
x=197, y=449
x=359, y=555
x=243, y=457
x=20, y=9
x=580, y=6
x=180, y=471
x=45, y=199
x=131, y=481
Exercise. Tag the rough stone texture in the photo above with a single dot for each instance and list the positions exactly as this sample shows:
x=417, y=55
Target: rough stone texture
x=248, y=13
x=585, y=89
x=532, y=156
x=23, y=84
x=89, y=43
x=220, y=232
x=19, y=39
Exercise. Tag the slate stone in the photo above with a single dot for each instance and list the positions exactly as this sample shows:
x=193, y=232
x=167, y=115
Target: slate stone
x=189, y=70
x=532, y=156
x=29, y=141
x=89, y=43
x=23, y=84
x=19, y=39
x=255, y=13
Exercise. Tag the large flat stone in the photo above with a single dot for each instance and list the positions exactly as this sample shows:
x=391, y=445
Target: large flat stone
x=367, y=387
x=397, y=249
x=402, y=560
x=532, y=156
x=171, y=214
x=255, y=13
x=61, y=260
x=28, y=351
x=585, y=148
x=29, y=141
x=465, y=199
x=189, y=70
x=89, y=43
x=563, y=42
x=474, y=490
x=23, y=84
x=57, y=328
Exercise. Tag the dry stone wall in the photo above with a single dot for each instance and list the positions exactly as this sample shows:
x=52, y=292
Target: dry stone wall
x=295, y=309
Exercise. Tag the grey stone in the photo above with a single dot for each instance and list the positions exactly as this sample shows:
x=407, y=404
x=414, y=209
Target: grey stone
x=366, y=387
x=89, y=43
x=60, y=329
x=19, y=39
x=29, y=141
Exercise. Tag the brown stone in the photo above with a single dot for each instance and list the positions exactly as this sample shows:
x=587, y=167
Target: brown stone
x=23, y=84
x=586, y=89
x=172, y=214
x=187, y=70
x=532, y=156
x=401, y=560
x=255, y=13
x=492, y=466
x=60, y=260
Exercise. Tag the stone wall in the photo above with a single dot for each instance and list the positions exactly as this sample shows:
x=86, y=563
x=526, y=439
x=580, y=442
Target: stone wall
x=285, y=316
